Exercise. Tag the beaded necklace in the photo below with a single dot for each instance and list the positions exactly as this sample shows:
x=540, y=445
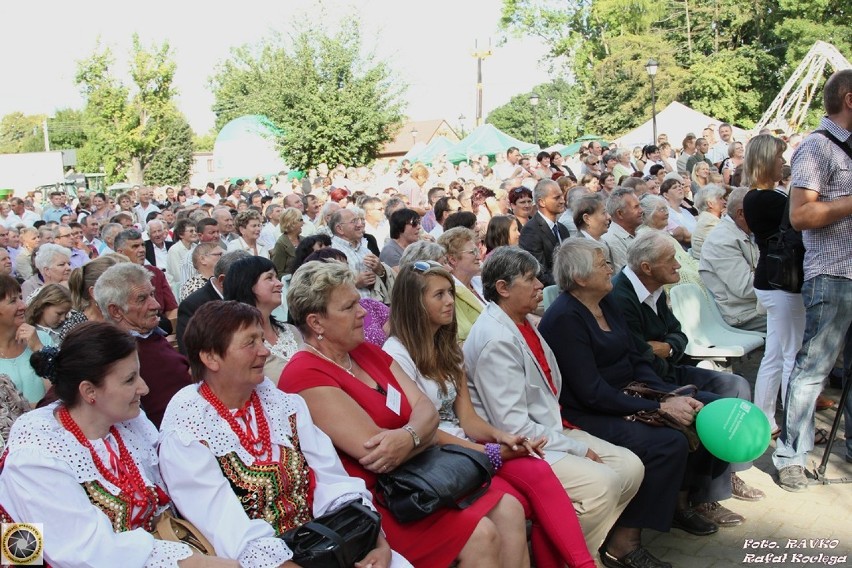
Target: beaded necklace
x=259, y=446
x=132, y=487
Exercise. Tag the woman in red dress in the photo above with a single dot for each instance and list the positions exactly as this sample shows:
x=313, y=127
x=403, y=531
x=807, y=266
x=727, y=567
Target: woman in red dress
x=377, y=418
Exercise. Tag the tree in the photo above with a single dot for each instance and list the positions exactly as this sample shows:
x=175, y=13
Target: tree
x=332, y=103
x=204, y=142
x=171, y=163
x=557, y=115
x=126, y=133
x=20, y=133
x=67, y=129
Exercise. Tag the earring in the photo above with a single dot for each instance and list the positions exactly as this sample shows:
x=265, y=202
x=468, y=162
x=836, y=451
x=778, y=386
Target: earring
x=92, y=400
x=319, y=337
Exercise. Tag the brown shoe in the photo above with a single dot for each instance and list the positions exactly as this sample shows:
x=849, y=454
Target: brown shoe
x=716, y=513
x=743, y=491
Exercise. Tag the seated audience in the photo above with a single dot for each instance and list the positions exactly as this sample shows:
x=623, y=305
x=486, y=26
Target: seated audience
x=503, y=230
x=371, y=276
x=728, y=260
x=53, y=266
x=626, y=215
x=248, y=225
x=86, y=466
x=284, y=250
x=590, y=216
x=521, y=204
x=210, y=461
x=463, y=260
x=515, y=384
x=47, y=310
x=81, y=284
x=595, y=354
x=126, y=297
x=253, y=281
x=679, y=216
x=710, y=203
x=423, y=343
x=203, y=260
x=543, y=233
x=346, y=384
x=404, y=230
x=655, y=215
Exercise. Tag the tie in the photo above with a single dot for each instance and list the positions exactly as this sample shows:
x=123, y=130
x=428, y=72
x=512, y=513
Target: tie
x=556, y=233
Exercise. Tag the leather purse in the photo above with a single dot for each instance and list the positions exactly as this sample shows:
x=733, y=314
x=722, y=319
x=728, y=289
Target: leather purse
x=170, y=528
x=785, y=257
x=660, y=417
x=335, y=540
x=449, y=476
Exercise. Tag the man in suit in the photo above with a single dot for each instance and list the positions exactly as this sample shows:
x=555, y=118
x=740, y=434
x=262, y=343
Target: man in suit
x=657, y=336
x=157, y=247
x=213, y=290
x=543, y=234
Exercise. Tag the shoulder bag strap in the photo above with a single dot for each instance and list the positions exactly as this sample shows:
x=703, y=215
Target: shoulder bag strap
x=833, y=138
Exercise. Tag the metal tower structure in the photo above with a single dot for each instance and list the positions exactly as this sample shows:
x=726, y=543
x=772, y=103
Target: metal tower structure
x=788, y=110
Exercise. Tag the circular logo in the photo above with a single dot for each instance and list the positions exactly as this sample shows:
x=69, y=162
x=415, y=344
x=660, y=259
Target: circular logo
x=22, y=543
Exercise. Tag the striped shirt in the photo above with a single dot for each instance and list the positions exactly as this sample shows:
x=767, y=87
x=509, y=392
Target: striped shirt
x=819, y=165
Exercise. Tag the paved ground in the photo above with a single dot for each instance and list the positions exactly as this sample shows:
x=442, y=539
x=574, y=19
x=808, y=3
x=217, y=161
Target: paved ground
x=784, y=524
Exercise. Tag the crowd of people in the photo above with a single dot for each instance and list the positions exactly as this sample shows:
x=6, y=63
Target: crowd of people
x=249, y=358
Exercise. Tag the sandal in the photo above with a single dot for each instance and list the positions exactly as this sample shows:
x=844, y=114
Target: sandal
x=820, y=436
x=824, y=403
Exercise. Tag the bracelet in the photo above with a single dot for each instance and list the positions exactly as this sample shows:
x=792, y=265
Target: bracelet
x=414, y=435
x=493, y=453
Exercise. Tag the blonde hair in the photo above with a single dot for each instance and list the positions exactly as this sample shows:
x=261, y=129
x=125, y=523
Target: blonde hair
x=289, y=217
x=453, y=239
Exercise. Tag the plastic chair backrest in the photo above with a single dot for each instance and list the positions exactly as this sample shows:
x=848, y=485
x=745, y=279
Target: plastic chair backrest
x=549, y=294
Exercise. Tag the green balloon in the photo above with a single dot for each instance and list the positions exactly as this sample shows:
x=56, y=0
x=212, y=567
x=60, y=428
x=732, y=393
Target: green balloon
x=733, y=430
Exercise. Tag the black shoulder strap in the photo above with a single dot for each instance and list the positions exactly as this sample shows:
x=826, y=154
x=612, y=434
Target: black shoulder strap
x=833, y=138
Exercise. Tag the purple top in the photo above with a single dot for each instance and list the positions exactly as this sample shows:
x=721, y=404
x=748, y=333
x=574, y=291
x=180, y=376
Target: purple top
x=377, y=315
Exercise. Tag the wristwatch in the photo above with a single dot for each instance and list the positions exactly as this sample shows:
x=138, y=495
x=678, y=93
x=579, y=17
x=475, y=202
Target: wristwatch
x=671, y=352
x=414, y=435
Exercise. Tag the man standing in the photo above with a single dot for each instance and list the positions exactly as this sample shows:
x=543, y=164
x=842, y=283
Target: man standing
x=226, y=225
x=90, y=235
x=262, y=190
x=146, y=205
x=719, y=152
x=271, y=230
x=821, y=207
x=686, y=153
x=63, y=235
x=510, y=167
x=433, y=195
x=701, y=148
x=543, y=234
x=626, y=215
x=20, y=214
x=312, y=206
x=728, y=260
x=56, y=209
x=375, y=222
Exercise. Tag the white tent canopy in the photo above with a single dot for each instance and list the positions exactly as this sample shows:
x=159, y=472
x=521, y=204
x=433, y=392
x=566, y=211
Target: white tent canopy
x=676, y=120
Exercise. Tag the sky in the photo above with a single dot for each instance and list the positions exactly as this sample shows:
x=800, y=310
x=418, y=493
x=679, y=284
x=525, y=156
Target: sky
x=428, y=44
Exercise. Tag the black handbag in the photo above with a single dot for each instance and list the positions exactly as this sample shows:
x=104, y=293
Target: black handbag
x=785, y=257
x=659, y=417
x=448, y=476
x=335, y=540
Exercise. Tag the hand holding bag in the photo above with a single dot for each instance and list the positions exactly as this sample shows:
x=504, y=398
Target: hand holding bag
x=335, y=540
x=440, y=477
x=170, y=528
x=660, y=417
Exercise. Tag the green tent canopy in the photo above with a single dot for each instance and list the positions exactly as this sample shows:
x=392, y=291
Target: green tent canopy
x=487, y=140
x=435, y=147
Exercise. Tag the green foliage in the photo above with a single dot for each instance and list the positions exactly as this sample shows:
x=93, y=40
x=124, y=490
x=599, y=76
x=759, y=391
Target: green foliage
x=20, y=133
x=67, y=129
x=204, y=142
x=727, y=58
x=171, y=163
x=557, y=114
x=127, y=130
x=332, y=103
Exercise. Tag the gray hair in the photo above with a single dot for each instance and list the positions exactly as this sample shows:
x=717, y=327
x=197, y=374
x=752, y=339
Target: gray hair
x=648, y=246
x=709, y=193
x=586, y=205
x=336, y=219
x=223, y=265
x=575, y=260
x=626, y=151
x=311, y=287
x=110, y=230
x=735, y=200
x=154, y=222
x=47, y=254
x=422, y=250
x=650, y=203
x=124, y=236
x=615, y=203
x=200, y=250
x=575, y=193
x=506, y=263
x=113, y=287
x=542, y=188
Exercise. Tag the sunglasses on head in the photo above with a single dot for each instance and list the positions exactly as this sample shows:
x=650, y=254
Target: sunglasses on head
x=423, y=266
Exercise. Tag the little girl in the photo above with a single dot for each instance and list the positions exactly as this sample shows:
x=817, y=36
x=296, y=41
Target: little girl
x=48, y=309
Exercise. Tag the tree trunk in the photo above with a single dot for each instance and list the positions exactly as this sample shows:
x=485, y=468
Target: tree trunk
x=688, y=28
x=137, y=171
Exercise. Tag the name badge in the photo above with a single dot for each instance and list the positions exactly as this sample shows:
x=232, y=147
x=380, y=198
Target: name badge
x=394, y=400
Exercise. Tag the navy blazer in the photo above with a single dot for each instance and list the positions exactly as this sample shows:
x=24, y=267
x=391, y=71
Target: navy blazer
x=538, y=239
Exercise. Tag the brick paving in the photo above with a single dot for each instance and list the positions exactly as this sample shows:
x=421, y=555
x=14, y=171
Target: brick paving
x=785, y=526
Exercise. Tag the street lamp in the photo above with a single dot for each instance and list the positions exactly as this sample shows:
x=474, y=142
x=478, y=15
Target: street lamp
x=462, y=118
x=651, y=68
x=534, y=102
x=414, y=134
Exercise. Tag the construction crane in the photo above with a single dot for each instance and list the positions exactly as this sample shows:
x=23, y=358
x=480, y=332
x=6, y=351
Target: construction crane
x=789, y=108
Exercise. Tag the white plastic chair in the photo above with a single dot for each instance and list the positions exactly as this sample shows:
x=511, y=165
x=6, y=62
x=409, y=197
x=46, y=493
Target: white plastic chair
x=549, y=294
x=710, y=337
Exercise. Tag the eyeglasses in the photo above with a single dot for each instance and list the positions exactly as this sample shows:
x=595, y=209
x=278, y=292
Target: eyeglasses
x=423, y=266
x=473, y=251
x=214, y=254
x=414, y=222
